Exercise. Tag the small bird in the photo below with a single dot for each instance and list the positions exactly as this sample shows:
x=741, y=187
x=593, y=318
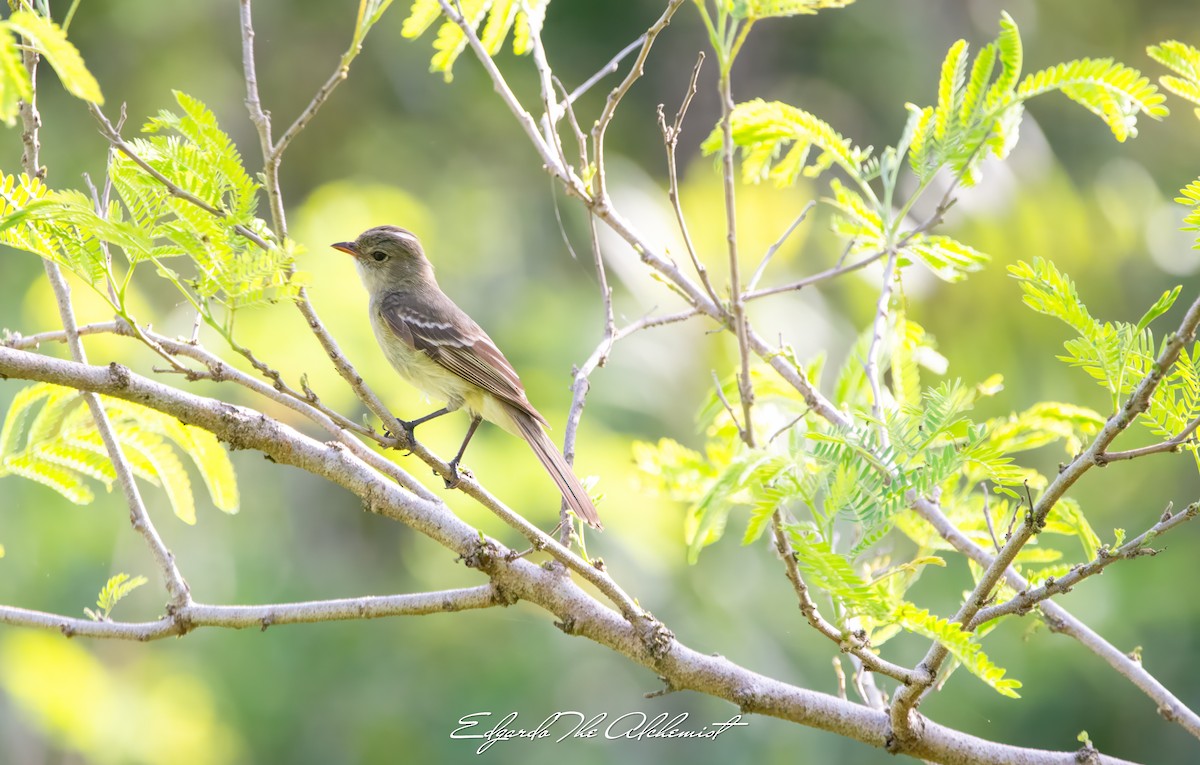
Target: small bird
x=438, y=348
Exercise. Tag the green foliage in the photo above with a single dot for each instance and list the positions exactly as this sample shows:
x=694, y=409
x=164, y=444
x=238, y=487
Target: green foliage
x=1115, y=354
x=14, y=80
x=150, y=223
x=978, y=111
x=369, y=13
x=855, y=220
x=1043, y=424
x=834, y=575
x=976, y=115
x=48, y=39
x=1112, y=91
x=762, y=9
x=1184, y=60
x=961, y=644
x=502, y=17
x=1118, y=355
x=49, y=437
x=949, y=259
x=1189, y=196
x=764, y=129
x=114, y=591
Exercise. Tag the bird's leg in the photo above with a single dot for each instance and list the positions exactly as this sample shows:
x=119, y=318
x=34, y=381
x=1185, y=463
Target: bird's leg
x=411, y=425
x=452, y=481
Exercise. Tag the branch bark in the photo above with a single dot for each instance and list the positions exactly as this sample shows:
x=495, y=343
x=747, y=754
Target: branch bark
x=176, y=586
x=642, y=639
x=188, y=617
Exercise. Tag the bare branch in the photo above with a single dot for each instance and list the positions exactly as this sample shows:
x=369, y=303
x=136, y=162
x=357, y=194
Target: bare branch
x=1137, y=547
x=546, y=83
x=670, y=134
x=139, y=517
x=618, y=93
x=581, y=384
x=826, y=275
x=1138, y=402
x=243, y=428
x=1173, y=444
x=188, y=617
x=847, y=641
x=1060, y=620
x=770, y=253
x=878, y=326
x=260, y=118
x=605, y=70
x=737, y=302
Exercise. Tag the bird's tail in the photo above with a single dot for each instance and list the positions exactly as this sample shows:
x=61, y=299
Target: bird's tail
x=572, y=491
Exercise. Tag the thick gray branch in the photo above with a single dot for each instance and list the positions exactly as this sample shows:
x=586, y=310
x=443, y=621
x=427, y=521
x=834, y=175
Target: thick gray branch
x=1062, y=621
x=644, y=640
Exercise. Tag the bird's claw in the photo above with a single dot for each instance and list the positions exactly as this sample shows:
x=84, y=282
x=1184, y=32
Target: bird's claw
x=404, y=439
x=456, y=475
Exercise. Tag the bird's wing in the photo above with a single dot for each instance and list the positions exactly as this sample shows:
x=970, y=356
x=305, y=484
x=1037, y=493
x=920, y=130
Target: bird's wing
x=446, y=334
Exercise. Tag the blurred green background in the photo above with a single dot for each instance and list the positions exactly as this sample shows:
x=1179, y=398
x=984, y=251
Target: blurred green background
x=396, y=145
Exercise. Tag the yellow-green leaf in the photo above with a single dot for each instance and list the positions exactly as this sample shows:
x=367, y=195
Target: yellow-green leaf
x=52, y=42
x=14, y=80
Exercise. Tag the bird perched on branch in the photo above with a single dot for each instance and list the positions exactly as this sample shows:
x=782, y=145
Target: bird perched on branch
x=438, y=348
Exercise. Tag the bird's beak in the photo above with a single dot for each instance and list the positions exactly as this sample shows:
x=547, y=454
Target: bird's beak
x=346, y=247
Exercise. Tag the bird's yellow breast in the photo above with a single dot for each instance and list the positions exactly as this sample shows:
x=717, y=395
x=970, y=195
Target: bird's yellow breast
x=434, y=380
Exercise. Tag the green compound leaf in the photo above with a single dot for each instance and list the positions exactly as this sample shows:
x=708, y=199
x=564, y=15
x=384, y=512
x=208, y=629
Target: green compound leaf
x=49, y=437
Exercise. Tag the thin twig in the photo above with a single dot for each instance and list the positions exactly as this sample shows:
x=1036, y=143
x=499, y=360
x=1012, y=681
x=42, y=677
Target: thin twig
x=1137, y=402
x=1137, y=547
x=1173, y=444
x=670, y=134
x=1062, y=621
x=987, y=516
x=581, y=384
x=582, y=374
x=262, y=123
x=101, y=207
x=848, y=641
x=193, y=615
x=605, y=70
x=545, y=80
x=737, y=302
x=614, y=97
x=840, y=674
x=770, y=253
x=826, y=275
x=878, y=327
x=925, y=226
x=176, y=586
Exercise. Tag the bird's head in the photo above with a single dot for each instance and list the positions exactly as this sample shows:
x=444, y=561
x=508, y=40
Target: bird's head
x=388, y=258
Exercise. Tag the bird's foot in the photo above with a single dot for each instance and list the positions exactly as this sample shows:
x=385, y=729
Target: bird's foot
x=404, y=439
x=456, y=475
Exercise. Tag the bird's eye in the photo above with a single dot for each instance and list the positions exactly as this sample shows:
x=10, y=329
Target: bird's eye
x=379, y=256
